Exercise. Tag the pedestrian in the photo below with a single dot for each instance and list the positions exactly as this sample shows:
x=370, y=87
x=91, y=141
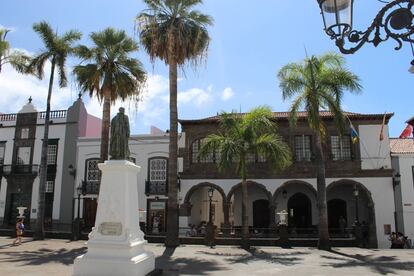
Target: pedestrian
x=365, y=234
x=19, y=231
x=342, y=224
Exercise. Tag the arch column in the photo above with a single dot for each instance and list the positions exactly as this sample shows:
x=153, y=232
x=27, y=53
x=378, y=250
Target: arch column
x=272, y=214
x=226, y=210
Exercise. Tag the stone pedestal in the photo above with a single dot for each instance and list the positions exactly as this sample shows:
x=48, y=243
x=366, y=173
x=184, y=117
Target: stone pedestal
x=116, y=243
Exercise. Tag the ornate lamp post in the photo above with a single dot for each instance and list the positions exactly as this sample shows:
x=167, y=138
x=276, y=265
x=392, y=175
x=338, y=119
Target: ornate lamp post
x=210, y=227
x=77, y=230
x=356, y=195
x=210, y=193
x=394, y=20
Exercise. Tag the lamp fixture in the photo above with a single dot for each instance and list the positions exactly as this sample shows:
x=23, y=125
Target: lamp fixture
x=394, y=21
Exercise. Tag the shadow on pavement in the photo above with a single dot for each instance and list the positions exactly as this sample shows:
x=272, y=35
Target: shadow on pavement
x=253, y=254
x=43, y=256
x=378, y=264
x=167, y=265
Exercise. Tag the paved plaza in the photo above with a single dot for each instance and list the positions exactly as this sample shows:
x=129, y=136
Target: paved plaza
x=55, y=257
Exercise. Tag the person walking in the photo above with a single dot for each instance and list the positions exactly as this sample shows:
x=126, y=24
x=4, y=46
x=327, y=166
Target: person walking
x=19, y=232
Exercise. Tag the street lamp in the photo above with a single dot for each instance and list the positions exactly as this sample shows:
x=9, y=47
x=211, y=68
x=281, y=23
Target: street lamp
x=79, y=192
x=210, y=198
x=356, y=195
x=394, y=20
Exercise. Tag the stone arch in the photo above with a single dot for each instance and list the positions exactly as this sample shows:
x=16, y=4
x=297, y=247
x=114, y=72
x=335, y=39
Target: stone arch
x=291, y=182
x=371, y=205
x=187, y=205
x=260, y=187
x=201, y=185
x=250, y=184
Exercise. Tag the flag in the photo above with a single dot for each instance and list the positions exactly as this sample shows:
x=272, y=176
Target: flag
x=354, y=133
x=381, y=136
x=406, y=132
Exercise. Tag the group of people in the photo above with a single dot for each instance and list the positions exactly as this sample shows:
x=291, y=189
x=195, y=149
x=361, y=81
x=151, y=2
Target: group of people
x=398, y=240
x=199, y=230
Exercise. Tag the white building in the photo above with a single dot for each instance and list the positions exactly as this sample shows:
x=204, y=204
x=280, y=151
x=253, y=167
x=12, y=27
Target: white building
x=402, y=155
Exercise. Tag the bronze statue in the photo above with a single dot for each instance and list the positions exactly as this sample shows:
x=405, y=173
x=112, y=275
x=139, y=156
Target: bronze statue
x=118, y=148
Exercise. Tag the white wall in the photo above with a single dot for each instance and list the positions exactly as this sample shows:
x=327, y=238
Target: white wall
x=406, y=164
x=374, y=153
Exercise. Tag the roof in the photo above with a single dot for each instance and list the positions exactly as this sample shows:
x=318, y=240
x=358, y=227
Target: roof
x=301, y=115
x=402, y=146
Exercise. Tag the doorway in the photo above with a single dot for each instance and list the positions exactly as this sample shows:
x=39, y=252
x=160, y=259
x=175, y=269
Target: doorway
x=336, y=210
x=89, y=215
x=300, y=211
x=261, y=213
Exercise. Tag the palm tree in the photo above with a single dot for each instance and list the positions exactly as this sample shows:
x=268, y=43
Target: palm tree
x=174, y=32
x=57, y=49
x=318, y=83
x=109, y=74
x=16, y=59
x=241, y=136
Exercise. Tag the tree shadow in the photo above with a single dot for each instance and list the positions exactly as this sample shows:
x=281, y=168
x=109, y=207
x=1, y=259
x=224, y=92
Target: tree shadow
x=378, y=264
x=44, y=256
x=253, y=254
x=167, y=265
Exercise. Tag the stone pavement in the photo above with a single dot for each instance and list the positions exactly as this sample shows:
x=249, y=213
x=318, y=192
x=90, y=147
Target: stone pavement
x=55, y=257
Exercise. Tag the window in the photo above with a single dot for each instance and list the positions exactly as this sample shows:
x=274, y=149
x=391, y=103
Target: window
x=195, y=149
x=303, y=148
x=341, y=147
x=51, y=154
x=24, y=133
x=50, y=186
x=23, y=155
x=92, y=170
x=157, y=174
x=2, y=151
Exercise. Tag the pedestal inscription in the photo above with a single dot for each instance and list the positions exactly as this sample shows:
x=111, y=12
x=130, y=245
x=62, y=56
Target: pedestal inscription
x=110, y=228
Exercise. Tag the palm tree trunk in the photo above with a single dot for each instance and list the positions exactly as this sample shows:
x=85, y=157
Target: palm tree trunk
x=172, y=212
x=106, y=114
x=323, y=242
x=39, y=233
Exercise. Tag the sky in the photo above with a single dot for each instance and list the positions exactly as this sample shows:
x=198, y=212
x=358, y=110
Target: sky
x=250, y=42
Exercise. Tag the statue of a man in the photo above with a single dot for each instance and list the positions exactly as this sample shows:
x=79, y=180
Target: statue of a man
x=118, y=148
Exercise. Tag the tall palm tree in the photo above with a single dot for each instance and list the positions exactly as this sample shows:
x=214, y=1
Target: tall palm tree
x=318, y=83
x=109, y=73
x=16, y=59
x=174, y=32
x=57, y=49
x=241, y=136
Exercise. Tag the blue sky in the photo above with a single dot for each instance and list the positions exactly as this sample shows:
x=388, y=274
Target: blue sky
x=251, y=41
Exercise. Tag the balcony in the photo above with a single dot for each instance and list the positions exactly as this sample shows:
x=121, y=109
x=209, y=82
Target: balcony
x=20, y=170
x=90, y=187
x=156, y=187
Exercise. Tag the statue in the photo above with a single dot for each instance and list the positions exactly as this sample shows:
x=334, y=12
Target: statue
x=118, y=148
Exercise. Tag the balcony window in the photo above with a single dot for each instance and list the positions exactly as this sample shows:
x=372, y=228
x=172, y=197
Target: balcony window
x=50, y=184
x=23, y=155
x=341, y=147
x=2, y=151
x=92, y=170
x=24, y=133
x=51, y=154
x=303, y=148
x=195, y=150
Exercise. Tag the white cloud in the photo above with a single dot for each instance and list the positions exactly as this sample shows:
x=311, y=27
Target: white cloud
x=196, y=96
x=227, y=94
